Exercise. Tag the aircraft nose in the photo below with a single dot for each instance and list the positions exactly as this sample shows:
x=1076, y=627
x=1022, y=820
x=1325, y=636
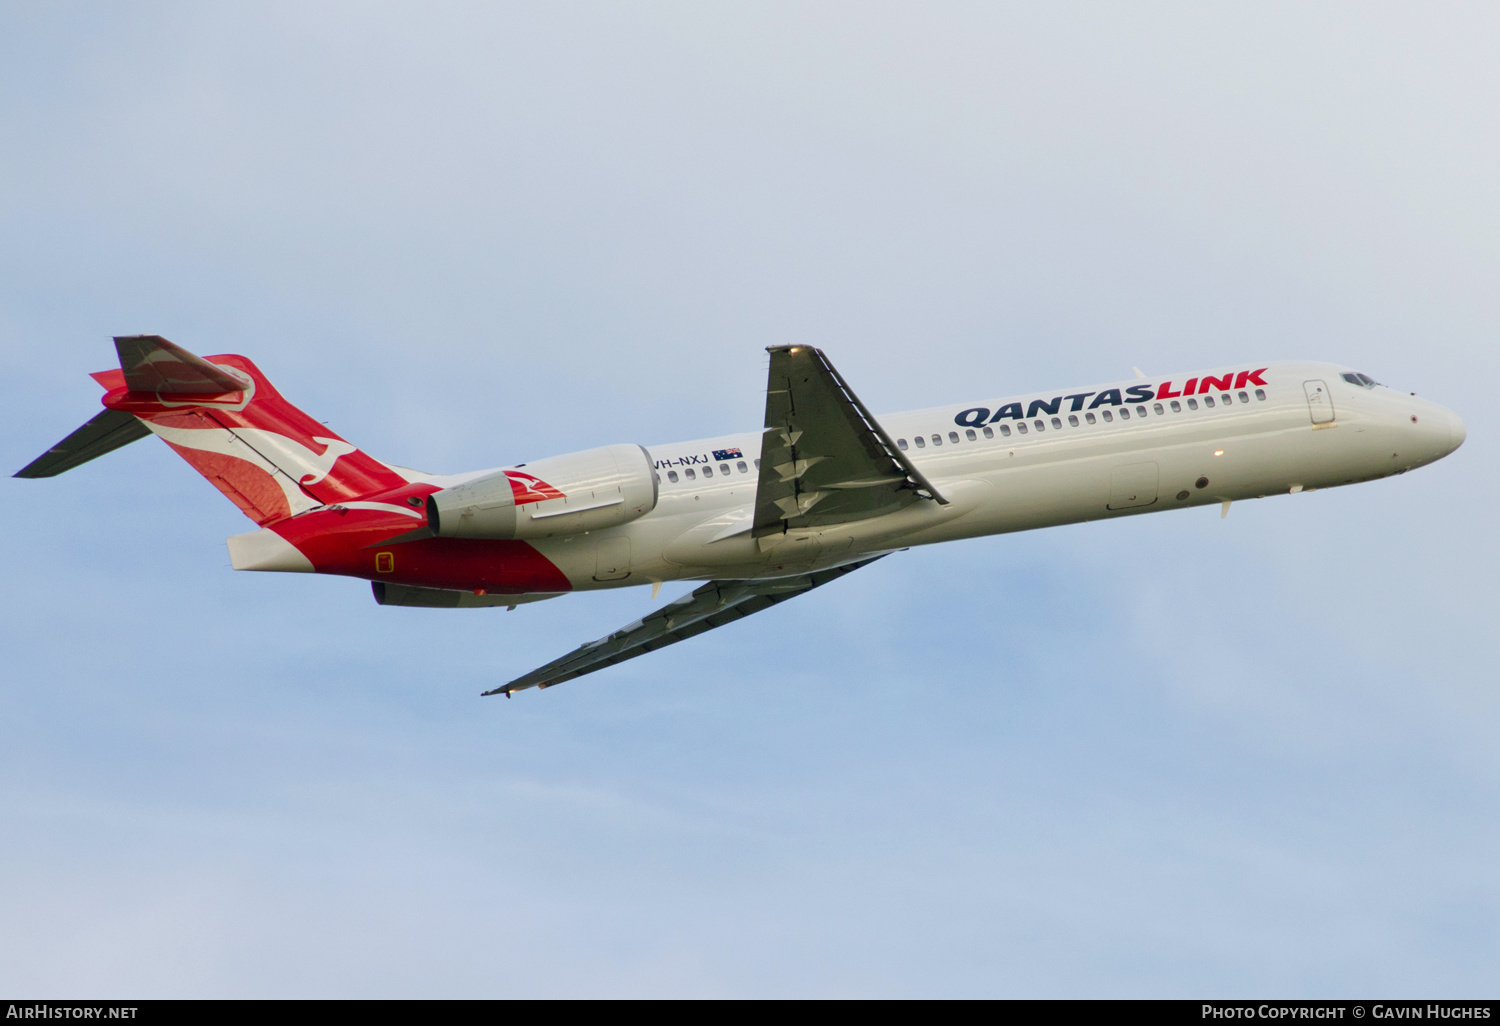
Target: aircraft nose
x=1456, y=430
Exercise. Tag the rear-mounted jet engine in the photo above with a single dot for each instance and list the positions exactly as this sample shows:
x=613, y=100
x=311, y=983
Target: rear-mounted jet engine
x=561, y=495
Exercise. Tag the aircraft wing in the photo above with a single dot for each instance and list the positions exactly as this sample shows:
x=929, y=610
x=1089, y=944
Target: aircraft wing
x=824, y=459
x=712, y=605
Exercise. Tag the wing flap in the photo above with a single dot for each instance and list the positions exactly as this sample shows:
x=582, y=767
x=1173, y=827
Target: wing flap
x=712, y=605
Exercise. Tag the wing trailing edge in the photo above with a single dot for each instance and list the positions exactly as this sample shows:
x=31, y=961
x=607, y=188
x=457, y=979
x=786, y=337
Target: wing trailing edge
x=711, y=605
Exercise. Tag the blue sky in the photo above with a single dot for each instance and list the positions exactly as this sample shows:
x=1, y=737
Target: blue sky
x=1165, y=756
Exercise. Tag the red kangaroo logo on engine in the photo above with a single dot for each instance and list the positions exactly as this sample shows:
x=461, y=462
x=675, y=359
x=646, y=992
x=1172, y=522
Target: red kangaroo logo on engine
x=527, y=488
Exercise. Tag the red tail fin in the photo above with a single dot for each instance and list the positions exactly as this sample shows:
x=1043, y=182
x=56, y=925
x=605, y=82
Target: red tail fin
x=223, y=417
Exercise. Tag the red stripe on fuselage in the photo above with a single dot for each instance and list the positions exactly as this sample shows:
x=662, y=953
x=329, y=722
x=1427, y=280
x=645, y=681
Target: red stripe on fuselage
x=347, y=541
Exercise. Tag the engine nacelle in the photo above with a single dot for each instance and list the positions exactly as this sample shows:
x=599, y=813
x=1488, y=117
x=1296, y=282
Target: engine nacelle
x=561, y=495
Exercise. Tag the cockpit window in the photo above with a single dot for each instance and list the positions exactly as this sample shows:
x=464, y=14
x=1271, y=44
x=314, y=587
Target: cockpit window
x=1362, y=380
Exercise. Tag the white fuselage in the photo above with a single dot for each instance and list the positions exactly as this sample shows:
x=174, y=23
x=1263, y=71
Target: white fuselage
x=1069, y=466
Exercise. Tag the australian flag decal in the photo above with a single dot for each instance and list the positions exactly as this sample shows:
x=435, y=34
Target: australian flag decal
x=728, y=454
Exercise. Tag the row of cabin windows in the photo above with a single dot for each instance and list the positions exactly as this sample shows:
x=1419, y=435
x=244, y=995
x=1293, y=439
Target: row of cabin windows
x=708, y=471
x=1109, y=415
x=1041, y=425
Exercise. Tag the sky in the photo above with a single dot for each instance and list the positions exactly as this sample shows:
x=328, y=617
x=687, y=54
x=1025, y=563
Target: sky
x=1164, y=756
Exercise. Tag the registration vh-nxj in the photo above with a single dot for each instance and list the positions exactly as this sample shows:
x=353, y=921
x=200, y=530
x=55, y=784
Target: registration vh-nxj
x=824, y=488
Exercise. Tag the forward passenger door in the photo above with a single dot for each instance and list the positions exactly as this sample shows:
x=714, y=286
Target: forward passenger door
x=1319, y=402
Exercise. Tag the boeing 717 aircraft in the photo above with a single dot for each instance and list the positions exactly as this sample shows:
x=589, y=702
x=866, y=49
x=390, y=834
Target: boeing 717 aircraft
x=824, y=487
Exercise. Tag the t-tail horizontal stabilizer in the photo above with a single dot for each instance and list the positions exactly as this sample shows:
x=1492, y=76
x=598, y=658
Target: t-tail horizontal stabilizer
x=108, y=431
x=223, y=417
x=712, y=605
x=150, y=364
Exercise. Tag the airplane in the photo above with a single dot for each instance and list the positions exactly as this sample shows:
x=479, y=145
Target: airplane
x=824, y=488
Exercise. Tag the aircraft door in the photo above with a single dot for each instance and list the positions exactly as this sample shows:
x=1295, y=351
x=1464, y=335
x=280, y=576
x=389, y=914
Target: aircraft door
x=1319, y=402
x=1133, y=485
x=612, y=558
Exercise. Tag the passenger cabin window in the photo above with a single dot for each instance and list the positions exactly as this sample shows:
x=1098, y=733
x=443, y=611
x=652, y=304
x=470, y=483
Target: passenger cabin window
x=1073, y=419
x=1107, y=416
x=1158, y=409
x=708, y=471
x=1227, y=399
x=1124, y=413
x=921, y=442
x=1021, y=427
x=937, y=439
x=757, y=464
x=672, y=476
x=901, y=444
x=1244, y=398
x=1089, y=417
x=1176, y=406
x=724, y=469
x=690, y=475
x=953, y=436
x=1056, y=423
x=989, y=432
x=1040, y=425
x=1005, y=430
x=740, y=466
x=971, y=436
x=1192, y=404
x=1260, y=393
x=1208, y=401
